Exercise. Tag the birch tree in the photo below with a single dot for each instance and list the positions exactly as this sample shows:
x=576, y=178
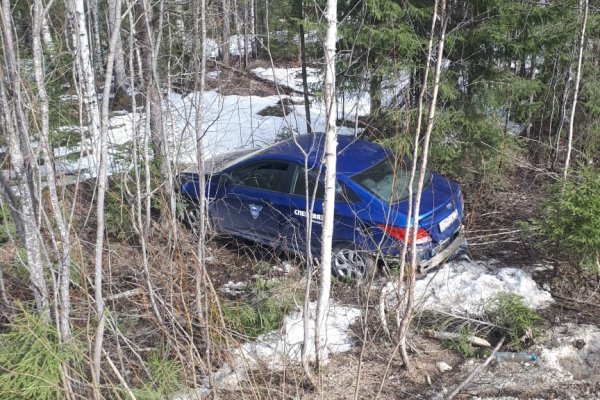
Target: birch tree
x=16, y=127
x=64, y=248
x=330, y=159
x=86, y=82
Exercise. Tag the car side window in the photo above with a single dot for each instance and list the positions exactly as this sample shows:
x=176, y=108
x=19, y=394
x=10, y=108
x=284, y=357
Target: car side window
x=343, y=192
x=266, y=175
x=300, y=188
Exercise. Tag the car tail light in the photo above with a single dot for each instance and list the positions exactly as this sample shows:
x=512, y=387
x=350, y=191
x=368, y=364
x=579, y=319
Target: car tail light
x=400, y=233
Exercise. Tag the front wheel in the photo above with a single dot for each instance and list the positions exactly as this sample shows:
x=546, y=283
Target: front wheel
x=191, y=217
x=350, y=263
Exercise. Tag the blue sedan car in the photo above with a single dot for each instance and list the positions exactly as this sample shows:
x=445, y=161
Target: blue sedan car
x=261, y=196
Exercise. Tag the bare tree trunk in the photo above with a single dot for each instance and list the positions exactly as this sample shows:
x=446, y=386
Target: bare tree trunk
x=153, y=97
x=17, y=129
x=253, y=28
x=555, y=149
x=409, y=307
x=246, y=30
x=149, y=50
x=120, y=74
x=96, y=45
x=307, y=344
x=64, y=272
x=202, y=278
x=532, y=74
x=584, y=5
x=330, y=178
x=85, y=72
x=101, y=192
x=86, y=79
x=47, y=35
x=225, y=32
x=238, y=33
x=300, y=14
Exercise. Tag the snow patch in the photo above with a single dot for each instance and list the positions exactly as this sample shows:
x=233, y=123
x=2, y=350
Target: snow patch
x=574, y=349
x=466, y=287
x=278, y=349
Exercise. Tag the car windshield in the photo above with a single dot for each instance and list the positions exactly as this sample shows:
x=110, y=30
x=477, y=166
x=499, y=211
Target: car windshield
x=389, y=179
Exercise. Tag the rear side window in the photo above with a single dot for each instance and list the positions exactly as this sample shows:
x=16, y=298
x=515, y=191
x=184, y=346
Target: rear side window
x=267, y=175
x=389, y=179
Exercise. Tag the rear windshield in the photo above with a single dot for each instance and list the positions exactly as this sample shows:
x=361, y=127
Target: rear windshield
x=389, y=179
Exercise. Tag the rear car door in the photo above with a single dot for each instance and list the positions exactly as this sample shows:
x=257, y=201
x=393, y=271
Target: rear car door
x=345, y=219
x=251, y=201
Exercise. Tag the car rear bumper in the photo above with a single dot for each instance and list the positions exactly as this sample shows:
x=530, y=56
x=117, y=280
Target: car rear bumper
x=445, y=252
x=430, y=257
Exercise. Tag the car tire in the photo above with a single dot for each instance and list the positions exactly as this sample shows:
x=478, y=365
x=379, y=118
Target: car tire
x=350, y=263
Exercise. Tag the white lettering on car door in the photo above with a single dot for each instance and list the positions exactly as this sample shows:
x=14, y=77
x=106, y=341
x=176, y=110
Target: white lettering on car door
x=317, y=218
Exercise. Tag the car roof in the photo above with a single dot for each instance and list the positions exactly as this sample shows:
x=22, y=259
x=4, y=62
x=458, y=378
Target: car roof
x=353, y=155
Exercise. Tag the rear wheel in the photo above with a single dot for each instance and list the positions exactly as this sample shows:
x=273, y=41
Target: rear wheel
x=349, y=263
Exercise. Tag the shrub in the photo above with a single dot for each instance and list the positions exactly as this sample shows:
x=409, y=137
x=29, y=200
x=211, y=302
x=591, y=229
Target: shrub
x=509, y=311
x=571, y=219
x=166, y=378
x=262, y=312
x=461, y=343
x=30, y=360
x=7, y=225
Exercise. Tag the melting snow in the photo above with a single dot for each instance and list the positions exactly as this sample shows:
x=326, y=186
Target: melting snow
x=575, y=350
x=278, y=349
x=465, y=287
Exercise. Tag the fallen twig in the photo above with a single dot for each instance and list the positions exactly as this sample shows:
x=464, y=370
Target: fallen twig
x=474, y=340
x=128, y=293
x=476, y=370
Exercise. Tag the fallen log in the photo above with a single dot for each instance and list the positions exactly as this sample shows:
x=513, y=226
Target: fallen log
x=474, y=340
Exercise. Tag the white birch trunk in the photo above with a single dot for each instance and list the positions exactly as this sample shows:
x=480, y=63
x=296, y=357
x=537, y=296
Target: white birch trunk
x=47, y=35
x=330, y=178
x=85, y=74
x=253, y=28
x=584, y=5
x=64, y=272
x=95, y=43
x=86, y=80
x=17, y=128
x=415, y=157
